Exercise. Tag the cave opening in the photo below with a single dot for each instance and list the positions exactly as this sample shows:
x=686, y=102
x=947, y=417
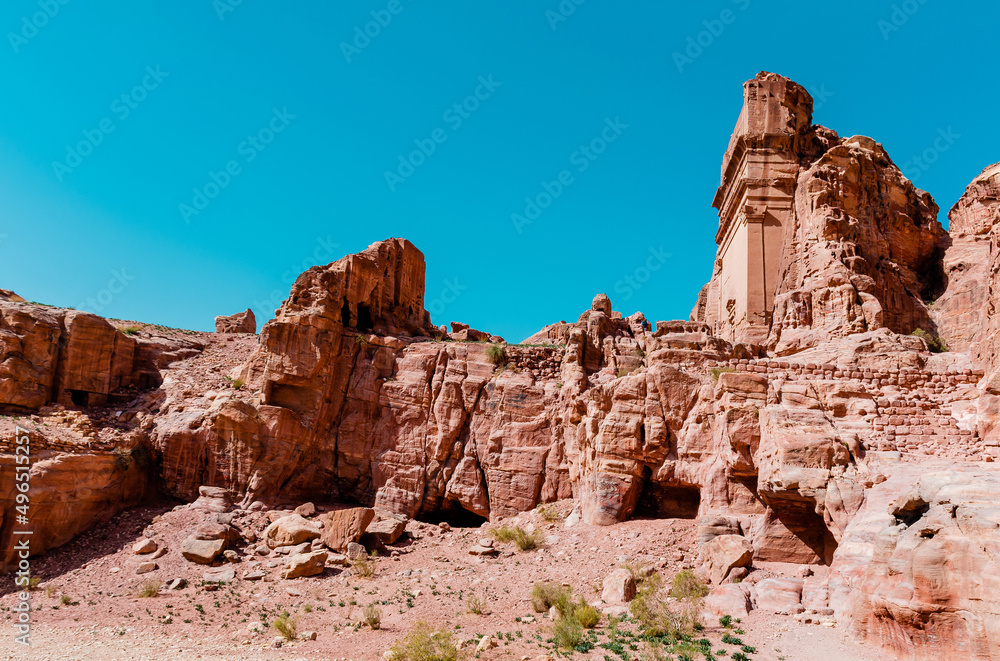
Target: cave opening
x=345, y=314
x=365, y=322
x=659, y=501
x=79, y=397
x=456, y=517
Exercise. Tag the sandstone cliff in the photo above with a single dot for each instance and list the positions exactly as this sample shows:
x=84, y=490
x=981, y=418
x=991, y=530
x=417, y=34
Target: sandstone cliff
x=795, y=409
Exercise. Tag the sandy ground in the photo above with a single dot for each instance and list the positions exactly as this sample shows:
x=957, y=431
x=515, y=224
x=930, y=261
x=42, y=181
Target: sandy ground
x=431, y=579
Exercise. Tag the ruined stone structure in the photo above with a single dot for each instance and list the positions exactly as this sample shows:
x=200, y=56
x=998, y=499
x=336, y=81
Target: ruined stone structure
x=755, y=202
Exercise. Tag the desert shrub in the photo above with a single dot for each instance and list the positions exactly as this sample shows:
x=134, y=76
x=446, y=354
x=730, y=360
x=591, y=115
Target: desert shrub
x=123, y=458
x=524, y=540
x=654, y=614
x=237, y=383
x=935, y=343
x=546, y=595
x=475, y=604
x=503, y=534
x=725, y=621
x=130, y=330
x=586, y=615
x=548, y=513
x=366, y=565
x=567, y=632
x=287, y=626
x=50, y=591
x=497, y=355
x=424, y=643
x=372, y=616
x=716, y=372
x=65, y=600
x=687, y=585
x=150, y=588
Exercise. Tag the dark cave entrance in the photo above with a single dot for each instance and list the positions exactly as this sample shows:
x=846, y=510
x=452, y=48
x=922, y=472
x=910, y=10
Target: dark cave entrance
x=658, y=501
x=345, y=314
x=79, y=397
x=365, y=322
x=456, y=517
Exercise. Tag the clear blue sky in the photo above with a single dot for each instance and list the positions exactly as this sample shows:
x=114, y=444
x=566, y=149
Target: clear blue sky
x=104, y=223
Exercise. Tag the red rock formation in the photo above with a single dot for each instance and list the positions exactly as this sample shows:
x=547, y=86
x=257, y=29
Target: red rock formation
x=795, y=440
x=819, y=236
x=243, y=322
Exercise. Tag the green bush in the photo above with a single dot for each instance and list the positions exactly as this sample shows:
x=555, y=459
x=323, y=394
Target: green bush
x=424, y=643
x=586, y=615
x=567, y=632
x=654, y=614
x=716, y=372
x=497, y=355
x=287, y=626
x=687, y=586
x=935, y=343
x=546, y=595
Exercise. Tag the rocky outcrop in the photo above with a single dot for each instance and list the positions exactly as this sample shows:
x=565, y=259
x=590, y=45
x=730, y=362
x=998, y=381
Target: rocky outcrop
x=918, y=569
x=243, y=322
x=964, y=310
x=820, y=236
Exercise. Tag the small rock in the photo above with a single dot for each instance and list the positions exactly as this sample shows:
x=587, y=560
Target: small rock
x=159, y=553
x=444, y=526
x=144, y=546
x=355, y=550
x=146, y=567
x=177, y=584
x=487, y=643
x=231, y=556
x=220, y=575
x=254, y=575
x=307, y=635
x=306, y=509
x=277, y=642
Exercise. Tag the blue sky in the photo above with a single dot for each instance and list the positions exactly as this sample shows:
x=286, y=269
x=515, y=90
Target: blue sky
x=289, y=121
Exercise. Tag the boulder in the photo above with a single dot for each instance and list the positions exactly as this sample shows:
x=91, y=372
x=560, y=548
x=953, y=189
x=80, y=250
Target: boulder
x=779, y=595
x=306, y=510
x=724, y=553
x=730, y=599
x=305, y=564
x=202, y=551
x=242, y=322
x=290, y=531
x=146, y=567
x=343, y=527
x=144, y=546
x=213, y=499
x=618, y=587
x=388, y=531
